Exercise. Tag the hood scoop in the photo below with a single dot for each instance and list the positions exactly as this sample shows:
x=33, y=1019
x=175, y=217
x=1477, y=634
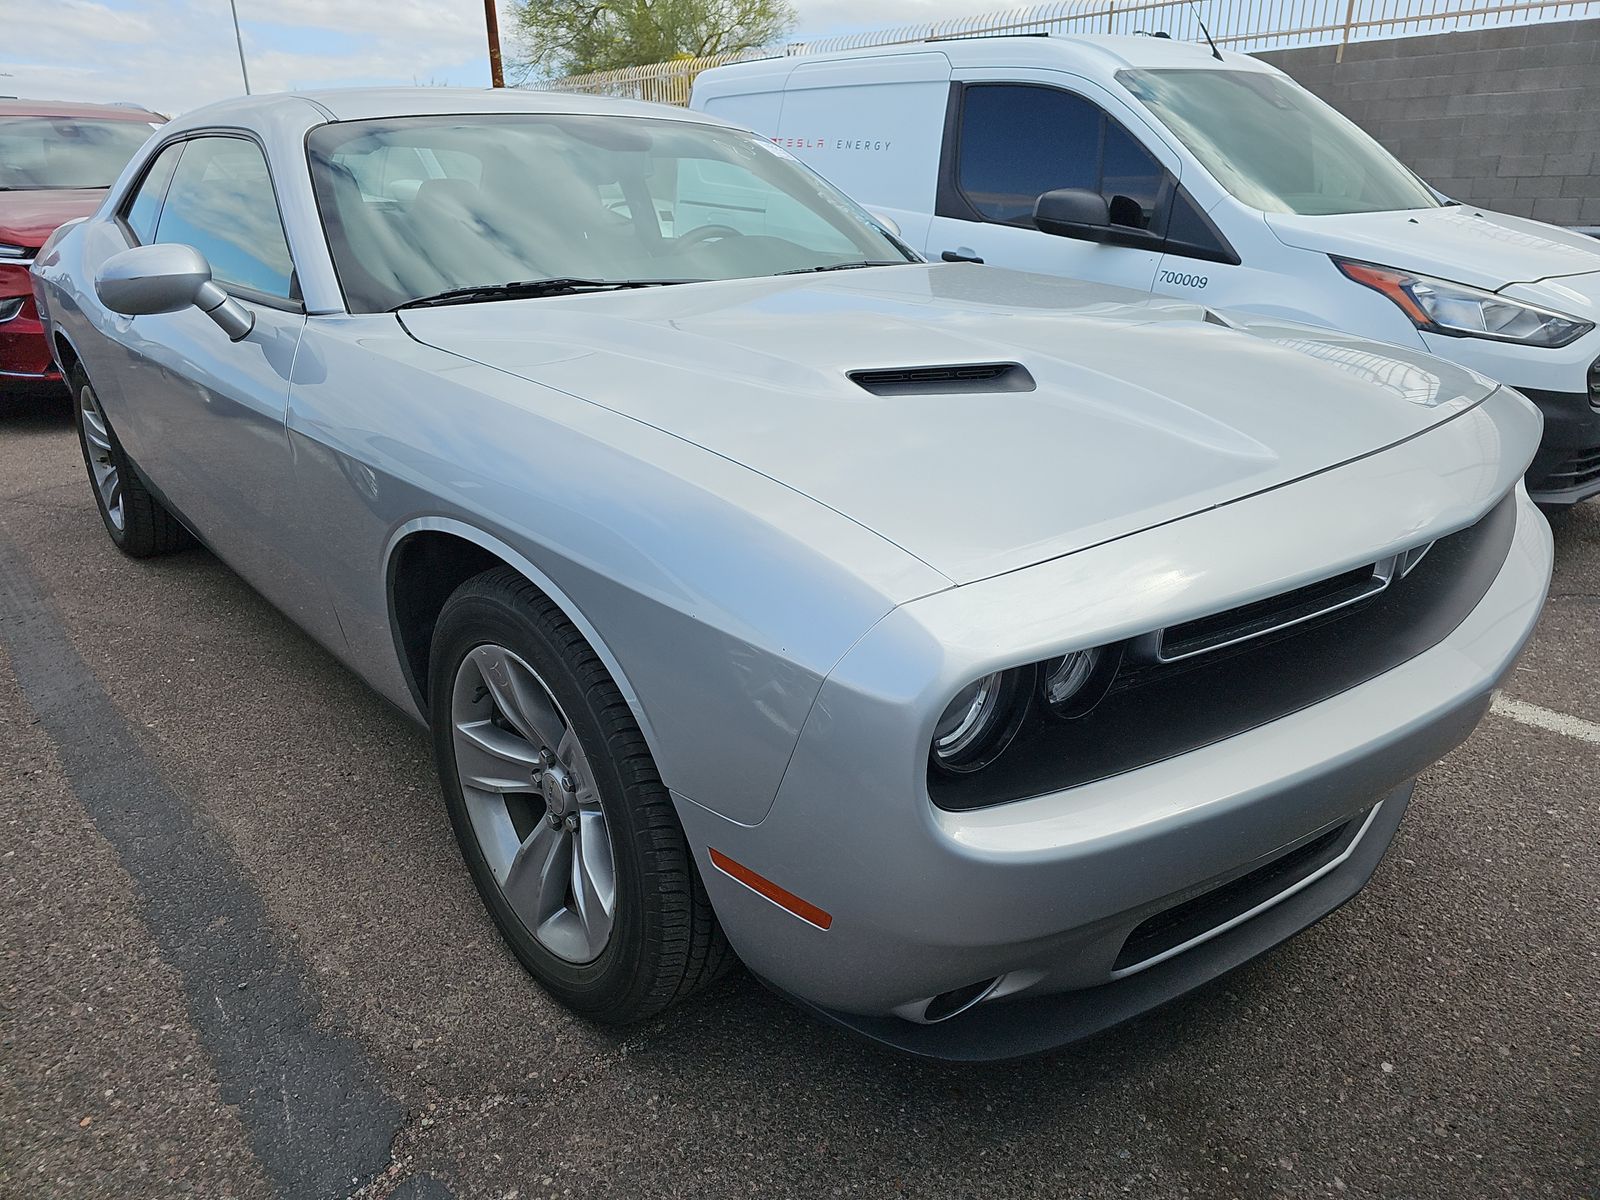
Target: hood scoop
x=951, y=380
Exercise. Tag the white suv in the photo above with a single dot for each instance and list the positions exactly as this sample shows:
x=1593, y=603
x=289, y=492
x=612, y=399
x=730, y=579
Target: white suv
x=1161, y=166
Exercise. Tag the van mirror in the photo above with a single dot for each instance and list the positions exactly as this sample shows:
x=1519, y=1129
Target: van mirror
x=886, y=221
x=1073, y=212
x=1080, y=213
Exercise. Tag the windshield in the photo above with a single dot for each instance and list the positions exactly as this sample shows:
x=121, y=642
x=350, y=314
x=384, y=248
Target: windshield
x=65, y=152
x=418, y=206
x=1274, y=145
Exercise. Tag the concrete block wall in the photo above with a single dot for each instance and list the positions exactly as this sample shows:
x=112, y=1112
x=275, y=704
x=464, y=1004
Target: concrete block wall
x=1505, y=119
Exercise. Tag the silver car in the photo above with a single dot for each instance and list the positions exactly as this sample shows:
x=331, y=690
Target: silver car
x=982, y=658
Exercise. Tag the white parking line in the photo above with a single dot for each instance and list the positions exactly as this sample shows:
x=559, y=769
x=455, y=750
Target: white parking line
x=1544, y=718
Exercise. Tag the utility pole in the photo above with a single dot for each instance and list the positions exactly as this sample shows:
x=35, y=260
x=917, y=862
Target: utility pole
x=239, y=38
x=497, y=75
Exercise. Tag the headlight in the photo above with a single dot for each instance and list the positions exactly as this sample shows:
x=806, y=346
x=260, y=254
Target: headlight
x=977, y=726
x=1065, y=677
x=7, y=251
x=981, y=721
x=1454, y=309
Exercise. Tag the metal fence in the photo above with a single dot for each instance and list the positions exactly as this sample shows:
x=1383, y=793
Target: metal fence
x=1245, y=25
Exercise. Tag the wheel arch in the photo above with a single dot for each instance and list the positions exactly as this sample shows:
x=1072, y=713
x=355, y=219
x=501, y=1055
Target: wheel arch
x=428, y=558
x=66, y=354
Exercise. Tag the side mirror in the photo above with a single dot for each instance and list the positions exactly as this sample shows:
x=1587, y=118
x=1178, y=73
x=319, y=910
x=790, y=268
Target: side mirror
x=165, y=278
x=1079, y=213
x=886, y=221
x=1073, y=212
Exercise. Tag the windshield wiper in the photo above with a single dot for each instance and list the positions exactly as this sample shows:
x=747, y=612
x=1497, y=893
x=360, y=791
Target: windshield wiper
x=522, y=289
x=849, y=266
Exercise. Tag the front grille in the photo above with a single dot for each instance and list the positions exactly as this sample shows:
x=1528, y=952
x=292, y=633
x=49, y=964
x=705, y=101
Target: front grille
x=1275, y=612
x=1193, y=918
x=956, y=378
x=1156, y=710
x=1580, y=470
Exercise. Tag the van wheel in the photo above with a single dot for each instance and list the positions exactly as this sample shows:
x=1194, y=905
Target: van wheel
x=139, y=525
x=566, y=828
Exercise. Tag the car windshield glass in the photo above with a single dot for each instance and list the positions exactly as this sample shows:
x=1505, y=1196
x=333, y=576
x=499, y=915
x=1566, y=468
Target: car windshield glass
x=1274, y=145
x=65, y=152
x=418, y=206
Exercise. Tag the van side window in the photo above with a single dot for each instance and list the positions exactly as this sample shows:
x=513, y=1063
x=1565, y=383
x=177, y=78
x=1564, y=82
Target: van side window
x=1128, y=172
x=1019, y=141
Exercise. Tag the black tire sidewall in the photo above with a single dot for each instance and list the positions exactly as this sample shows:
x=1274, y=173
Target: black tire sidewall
x=473, y=618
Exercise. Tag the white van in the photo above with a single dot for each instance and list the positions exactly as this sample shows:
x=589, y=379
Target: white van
x=1161, y=166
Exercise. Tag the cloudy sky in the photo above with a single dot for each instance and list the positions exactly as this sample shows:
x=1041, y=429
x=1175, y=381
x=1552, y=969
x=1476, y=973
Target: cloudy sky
x=175, y=54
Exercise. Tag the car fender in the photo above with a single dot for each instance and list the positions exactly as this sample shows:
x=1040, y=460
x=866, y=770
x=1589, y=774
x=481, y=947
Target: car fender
x=528, y=570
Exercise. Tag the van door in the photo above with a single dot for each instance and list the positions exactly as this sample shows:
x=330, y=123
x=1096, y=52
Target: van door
x=872, y=127
x=1008, y=141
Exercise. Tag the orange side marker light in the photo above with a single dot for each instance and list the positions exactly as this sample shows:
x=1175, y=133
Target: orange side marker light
x=763, y=886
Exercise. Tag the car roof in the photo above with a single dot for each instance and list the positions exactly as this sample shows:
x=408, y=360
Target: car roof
x=361, y=104
x=70, y=108
x=1102, y=54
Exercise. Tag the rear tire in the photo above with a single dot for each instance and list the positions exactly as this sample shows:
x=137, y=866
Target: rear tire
x=557, y=805
x=139, y=524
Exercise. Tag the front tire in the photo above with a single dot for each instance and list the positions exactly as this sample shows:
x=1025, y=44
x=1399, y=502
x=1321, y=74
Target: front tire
x=565, y=826
x=139, y=524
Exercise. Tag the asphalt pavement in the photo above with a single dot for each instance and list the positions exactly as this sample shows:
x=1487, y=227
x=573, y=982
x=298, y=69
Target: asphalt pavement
x=239, y=957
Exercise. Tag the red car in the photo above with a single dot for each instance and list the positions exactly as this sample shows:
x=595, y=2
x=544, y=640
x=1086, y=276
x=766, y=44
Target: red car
x=56, y=162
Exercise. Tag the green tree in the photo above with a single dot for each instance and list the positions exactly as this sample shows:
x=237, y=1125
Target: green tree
x=568, y=37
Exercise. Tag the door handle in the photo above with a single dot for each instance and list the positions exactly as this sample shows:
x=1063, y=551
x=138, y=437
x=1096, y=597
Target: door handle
x=961, y=255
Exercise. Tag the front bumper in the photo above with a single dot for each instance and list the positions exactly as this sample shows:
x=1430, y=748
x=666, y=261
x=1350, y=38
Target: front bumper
x=1043, y=895
x=1567, y=467
x=1040, y=1022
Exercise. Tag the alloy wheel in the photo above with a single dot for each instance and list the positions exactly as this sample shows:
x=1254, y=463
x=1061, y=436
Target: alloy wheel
x=533, y=803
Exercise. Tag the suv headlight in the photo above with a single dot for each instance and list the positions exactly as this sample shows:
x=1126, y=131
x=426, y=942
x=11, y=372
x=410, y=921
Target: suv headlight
x=1456, y=310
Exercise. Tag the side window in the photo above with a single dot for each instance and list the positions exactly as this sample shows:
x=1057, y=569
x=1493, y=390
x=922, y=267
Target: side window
x=144, y=207
x=1130, y=179
x=1191, y=233
x=221, y=203
x=1019, y=141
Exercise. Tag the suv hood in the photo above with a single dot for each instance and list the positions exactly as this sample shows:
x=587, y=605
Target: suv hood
x=1465, y=245
x=28, y=217
x=1144, y=410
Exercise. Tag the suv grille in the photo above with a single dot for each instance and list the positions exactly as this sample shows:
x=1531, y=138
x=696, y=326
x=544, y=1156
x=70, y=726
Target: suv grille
x=1581, y=469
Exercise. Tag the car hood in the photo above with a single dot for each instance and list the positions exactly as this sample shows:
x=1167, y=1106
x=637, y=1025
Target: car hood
x=1466, y=245
x=1576, y=294
x=27, y=218
x=1144, y=410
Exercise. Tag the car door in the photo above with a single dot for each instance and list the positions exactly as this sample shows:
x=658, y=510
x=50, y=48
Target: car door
x=1007, y=142
x=205, y=417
